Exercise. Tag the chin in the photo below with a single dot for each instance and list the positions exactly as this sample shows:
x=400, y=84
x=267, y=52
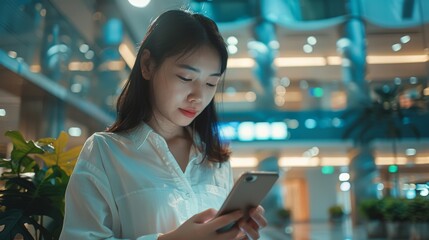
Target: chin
x=184, y=123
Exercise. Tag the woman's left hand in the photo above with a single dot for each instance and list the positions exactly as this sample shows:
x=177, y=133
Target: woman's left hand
x=250, y=228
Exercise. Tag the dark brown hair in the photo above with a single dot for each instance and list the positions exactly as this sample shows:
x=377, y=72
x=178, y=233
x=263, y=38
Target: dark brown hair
x=173, y=32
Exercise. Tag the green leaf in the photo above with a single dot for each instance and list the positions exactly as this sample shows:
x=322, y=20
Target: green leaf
x=20, y=151
x=14, y=223
x=24, y=183
x=21, y=145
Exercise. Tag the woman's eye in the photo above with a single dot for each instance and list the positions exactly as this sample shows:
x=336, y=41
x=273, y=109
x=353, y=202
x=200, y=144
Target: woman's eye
x=211, y=85
x=184, y=79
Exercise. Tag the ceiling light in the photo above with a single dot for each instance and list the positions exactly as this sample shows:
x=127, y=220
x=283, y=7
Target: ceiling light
x=396, y=47
x=337, y=122
x=83, y=48
x=396, y=59
x=279, y=130
x=35, y=68
x=397, y=81
x=334, y=60
x=344, y=177
x=258, y=47
x=2, y=112
x=299, y=61
x=311, y=40
x=307, y=48
x=240, y=62
x=232, y=49
x=139, y=3
x=422, y=160
x=280, y=90
x=250, y=96
x=279, y=100
x=292, y=123
x=262, y=130
x=12, y=54
x=331, y=60
x=310, y=123
x=303, y=84
x=227, y=132
x=298, y=162
x=345, y=186
x=413, y=80
x=405, y=39
x=237, y=162
x=410, y=152
x=293, y=97
x=76, y=87
x=335, y=161
x=89, y=54
x=314, y=151
x=246, y=131
x=81, y=66
x=285, y=81
x=343, y=43
x=232, y=40
x=274, y=44
x=390, y=160
x=75, y=132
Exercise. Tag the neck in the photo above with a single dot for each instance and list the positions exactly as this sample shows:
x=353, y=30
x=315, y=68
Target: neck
x=167, y=131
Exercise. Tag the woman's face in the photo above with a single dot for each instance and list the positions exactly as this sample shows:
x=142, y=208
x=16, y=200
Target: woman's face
x=183, y=86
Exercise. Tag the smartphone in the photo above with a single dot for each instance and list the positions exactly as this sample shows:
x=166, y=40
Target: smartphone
x=247, y=192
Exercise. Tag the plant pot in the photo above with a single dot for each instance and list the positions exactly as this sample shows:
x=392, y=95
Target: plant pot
x=398, y=230
x=375, y=229
x=419, y=231
x=336, y=222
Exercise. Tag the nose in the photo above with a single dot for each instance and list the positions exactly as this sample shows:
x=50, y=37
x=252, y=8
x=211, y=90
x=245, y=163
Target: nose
x=195, y=95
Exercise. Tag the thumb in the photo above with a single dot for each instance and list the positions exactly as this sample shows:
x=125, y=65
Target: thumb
x=205, y=216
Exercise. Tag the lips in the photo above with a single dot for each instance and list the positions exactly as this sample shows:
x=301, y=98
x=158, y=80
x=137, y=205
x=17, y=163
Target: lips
x=190, y=113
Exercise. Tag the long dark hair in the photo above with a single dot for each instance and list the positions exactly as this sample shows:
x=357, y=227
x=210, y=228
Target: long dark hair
x=173, y=32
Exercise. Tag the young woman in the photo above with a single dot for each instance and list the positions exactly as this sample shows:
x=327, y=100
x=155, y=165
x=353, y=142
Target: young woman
x=160, y=171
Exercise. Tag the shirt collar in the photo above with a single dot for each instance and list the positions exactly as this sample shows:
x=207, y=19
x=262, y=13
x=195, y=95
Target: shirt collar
x=141, y=133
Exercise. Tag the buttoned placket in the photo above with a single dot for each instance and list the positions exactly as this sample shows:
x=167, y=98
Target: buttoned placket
x=183, y=179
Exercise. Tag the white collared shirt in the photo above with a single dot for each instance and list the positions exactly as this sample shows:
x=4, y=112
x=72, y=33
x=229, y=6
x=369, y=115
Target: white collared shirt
x=129, y=186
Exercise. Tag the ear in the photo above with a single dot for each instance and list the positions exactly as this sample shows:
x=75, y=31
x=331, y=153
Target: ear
x=147, y=65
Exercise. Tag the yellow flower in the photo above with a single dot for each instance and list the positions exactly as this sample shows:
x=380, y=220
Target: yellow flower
x=66, y=160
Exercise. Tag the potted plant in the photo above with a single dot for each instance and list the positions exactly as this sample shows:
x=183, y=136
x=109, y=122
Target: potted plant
x=395, y=211
x=336, y=214
x=372, y=212
x=35, y=178
x=418, y=210
x=284, y=215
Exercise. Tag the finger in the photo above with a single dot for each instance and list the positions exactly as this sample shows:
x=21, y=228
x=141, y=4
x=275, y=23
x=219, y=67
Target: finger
x=234, y=233
x=253, y=224
x=257, y=216
x=258, y=209
x=250, y=232
x=226, y=219
x=241, y=235
x=205, y=216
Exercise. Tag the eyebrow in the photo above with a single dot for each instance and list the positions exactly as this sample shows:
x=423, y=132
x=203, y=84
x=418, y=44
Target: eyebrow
x=188, y=67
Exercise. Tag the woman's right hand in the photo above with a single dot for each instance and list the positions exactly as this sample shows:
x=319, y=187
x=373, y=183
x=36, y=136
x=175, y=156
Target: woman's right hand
x=203, y=226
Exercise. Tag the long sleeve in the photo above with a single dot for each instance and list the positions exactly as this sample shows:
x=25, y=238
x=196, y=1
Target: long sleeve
x=91, y=212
